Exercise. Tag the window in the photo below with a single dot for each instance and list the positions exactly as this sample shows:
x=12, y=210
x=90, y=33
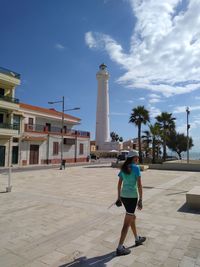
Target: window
x=81, y=149
x=2, y=92
x=1, y=118
x=69, y=141
x=16, y=122
x=30, y=121
x=55, y=148
x=48, y=127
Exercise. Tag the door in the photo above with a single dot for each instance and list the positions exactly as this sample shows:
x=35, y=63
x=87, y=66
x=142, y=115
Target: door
x=2, y=155
x=34, y=154
x=15, y=150
x=48, y=127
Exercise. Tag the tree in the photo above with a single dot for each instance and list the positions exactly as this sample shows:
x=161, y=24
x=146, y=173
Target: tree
x=178, y=143
x=155, y=132
x=138, y=117
x=146, y=140
x=121, y=139
x=115, y=137
x=167, y=125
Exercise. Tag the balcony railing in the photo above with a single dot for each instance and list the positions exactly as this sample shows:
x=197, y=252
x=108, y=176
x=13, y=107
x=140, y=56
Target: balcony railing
x=9, y=126
x=10, y=73
x=9, y=99
x=54, y=130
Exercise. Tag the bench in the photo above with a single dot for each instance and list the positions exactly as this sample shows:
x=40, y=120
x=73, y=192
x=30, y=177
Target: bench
x=193, y=197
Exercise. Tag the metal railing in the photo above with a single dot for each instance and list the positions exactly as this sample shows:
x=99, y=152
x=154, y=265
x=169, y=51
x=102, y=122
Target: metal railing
x=9, y=72
x=9, y=126
x=55, y=130
x=9, y=99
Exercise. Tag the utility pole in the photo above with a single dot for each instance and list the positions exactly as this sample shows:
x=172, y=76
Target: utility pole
x=188, y=127
x=62, y=126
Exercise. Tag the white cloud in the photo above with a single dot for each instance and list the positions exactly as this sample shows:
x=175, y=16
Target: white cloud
x=182, y=109
x=59, y=46
x=154, y=100
x=154, y=96
x=164, y=48
x=142, y=98
x=195, y=124
x=130, y=101
x=153, y=111
x=197, y=97
x=90, y=40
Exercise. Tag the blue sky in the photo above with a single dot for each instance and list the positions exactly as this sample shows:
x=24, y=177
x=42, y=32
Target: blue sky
x=151, y=48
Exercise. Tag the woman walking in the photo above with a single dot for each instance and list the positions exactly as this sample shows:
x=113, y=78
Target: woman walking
x=129, y=186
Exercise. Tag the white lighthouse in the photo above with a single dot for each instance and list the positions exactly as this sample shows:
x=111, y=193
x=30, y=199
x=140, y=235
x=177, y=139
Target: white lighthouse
x=102, y=112
x=103, y=142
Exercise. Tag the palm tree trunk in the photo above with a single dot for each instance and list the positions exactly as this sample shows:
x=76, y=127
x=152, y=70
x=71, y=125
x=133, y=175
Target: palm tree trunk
x=153, y=148
x=139, y=142
x=164, y=149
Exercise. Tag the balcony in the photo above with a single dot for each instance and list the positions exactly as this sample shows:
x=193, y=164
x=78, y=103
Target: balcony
x=10, y=73
x=9, y=129
x=9, y=99
x=55, y=130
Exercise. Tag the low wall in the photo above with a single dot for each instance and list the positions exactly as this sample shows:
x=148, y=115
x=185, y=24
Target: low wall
x=119, y=164
x=176, y=167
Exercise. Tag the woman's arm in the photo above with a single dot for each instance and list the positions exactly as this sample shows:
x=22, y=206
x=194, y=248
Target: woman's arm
x=119, y=188
x=139, y=184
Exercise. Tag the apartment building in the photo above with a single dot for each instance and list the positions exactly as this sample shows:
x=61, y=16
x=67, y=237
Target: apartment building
x=10, y=117
x=34, y=135
x=42, y=137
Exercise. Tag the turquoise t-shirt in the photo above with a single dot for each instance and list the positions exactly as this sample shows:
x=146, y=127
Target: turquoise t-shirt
x=129, y=185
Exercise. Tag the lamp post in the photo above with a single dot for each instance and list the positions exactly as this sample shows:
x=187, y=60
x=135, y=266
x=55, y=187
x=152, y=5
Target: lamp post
x=188, y=127
x=62, y=125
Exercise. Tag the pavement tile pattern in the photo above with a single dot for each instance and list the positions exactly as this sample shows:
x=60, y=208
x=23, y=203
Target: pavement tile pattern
x=55, y=218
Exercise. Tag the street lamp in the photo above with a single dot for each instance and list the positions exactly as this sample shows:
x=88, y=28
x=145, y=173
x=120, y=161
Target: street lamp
x=62, y=125
x=188, y=127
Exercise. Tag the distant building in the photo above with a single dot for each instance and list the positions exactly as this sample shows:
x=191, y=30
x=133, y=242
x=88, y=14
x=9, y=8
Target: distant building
x=133, y=144
x=92, y=146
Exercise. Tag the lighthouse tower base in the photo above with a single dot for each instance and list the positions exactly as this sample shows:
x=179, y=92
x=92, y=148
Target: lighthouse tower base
x=109, y=146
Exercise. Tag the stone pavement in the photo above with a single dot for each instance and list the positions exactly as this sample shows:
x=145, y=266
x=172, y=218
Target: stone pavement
x=61, y=218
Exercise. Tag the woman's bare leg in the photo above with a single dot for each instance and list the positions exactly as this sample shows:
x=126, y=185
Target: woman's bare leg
x=133, y=226
x=127, y=222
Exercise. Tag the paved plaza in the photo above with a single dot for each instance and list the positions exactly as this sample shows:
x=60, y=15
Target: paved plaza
x=61, y=218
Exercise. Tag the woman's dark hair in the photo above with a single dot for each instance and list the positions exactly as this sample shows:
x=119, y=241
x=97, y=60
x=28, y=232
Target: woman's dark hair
x=126, y=167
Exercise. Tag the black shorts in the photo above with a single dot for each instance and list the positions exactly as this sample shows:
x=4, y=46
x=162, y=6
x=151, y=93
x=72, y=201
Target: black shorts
x=129, y=204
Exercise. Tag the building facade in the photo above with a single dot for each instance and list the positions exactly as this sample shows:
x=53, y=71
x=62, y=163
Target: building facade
x=10, y=117
x=42, y=137
x=32, y=135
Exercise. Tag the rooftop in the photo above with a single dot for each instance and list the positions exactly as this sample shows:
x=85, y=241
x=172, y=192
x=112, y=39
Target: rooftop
x=9, y=73
x=50, y=111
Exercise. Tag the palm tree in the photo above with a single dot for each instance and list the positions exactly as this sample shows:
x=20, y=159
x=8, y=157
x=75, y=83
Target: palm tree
x=147, y=140
x=155, y=132
x=166, y=124
x=138, y=117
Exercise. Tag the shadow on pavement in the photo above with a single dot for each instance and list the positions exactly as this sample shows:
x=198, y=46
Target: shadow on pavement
x=177, y=193
x=2, y=192
x=95, y=261
x=185, y=208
